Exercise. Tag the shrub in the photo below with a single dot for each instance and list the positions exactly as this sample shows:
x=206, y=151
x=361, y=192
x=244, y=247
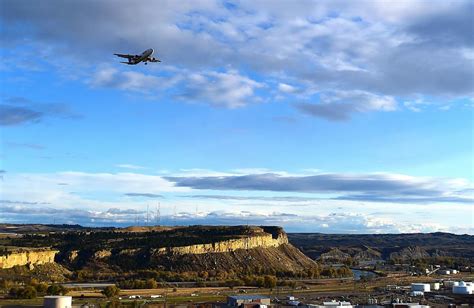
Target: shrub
x=57, y=289
x=24, y=293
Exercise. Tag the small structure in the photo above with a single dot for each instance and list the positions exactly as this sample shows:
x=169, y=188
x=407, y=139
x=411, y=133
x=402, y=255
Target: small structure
x=409, y=305
x=450, y=283
x=247, y=301
x=435, y=286
x=332, y=304
x=57, y=301
x=463, y=288
x=421, y=287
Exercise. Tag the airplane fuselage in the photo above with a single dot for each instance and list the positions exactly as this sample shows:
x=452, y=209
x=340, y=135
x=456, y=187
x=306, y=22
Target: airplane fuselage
x=145, y=55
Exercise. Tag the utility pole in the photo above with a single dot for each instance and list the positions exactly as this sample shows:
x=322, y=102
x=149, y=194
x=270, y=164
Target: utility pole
x=147, y=207
x=174, y=214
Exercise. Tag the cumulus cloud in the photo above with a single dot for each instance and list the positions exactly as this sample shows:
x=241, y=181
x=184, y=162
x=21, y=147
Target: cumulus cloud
x=400, y=51
x=333, y=222
x=222, y=89
x=318, y=202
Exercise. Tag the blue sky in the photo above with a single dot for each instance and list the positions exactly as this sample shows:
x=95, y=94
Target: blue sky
x=321, y=116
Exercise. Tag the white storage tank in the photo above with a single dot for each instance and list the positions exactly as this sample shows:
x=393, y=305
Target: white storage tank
x=435, y=286
x=422, y=287
x=57, y=301
x=462, y=288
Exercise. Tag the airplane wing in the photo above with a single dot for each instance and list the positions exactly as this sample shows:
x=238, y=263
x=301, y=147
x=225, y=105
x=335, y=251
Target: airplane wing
x=125, y=56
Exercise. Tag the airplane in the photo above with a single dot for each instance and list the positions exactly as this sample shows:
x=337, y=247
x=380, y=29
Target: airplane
x=144, y=57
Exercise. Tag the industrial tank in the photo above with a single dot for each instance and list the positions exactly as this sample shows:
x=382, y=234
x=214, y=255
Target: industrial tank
x=57, y=301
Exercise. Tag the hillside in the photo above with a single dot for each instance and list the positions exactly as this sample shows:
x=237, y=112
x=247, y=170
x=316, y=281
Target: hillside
x=366, y=247
x=241, y=249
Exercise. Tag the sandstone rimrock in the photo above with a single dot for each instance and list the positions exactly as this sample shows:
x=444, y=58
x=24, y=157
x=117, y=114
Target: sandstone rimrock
x=27, y=257
x=263, y=240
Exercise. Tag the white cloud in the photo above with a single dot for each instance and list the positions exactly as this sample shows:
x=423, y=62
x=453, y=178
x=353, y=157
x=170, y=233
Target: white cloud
x=286, y=88
x=402, y=50
x=81, y=197
x=130, y=166
x=221, y=89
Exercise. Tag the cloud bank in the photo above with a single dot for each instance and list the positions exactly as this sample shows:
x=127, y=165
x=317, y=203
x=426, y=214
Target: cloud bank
x=330, y=60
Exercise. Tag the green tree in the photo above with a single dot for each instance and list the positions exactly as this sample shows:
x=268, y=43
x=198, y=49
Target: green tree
x=111, y=291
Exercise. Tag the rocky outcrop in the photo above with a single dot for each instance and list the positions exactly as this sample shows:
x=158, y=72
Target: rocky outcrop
x=102, y=254
x=27, y=257
x=264, y=240
x=334, y=255
x=410, y=253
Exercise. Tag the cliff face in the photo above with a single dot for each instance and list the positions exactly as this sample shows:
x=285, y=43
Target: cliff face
x=31, y=258
x=255, y=241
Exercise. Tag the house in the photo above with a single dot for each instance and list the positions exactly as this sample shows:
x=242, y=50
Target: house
x=248, y=301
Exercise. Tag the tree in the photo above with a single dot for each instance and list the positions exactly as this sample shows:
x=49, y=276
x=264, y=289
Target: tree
x=151, y=284
x=41, y=287
x=269, y=281
x=111, y=291
x=56, y=289
x=26, y=293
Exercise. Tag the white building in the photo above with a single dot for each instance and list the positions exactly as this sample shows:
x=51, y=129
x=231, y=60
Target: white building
x=435, y=285
x=421, y=287
x=463, y=288
x=332, y=304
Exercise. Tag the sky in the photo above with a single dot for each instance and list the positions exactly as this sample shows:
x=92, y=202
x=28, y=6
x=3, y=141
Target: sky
x=318, y=116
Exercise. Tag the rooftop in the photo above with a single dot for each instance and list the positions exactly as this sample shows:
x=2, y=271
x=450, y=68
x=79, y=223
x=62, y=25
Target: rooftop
x=248, y=297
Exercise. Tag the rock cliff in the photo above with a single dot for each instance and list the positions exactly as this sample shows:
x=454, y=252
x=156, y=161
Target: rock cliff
x=27, y=257
x=264, y=240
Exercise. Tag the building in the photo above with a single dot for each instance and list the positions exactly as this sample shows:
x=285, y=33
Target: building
x=463, y=288
x=435, y=285
x=409, y=305
x=421, y=287
x=248, y=301
x=57, y=301
x=332, y=304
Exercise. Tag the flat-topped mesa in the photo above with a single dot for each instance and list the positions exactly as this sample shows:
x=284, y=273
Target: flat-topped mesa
x=258, y=240
x=27, y=257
